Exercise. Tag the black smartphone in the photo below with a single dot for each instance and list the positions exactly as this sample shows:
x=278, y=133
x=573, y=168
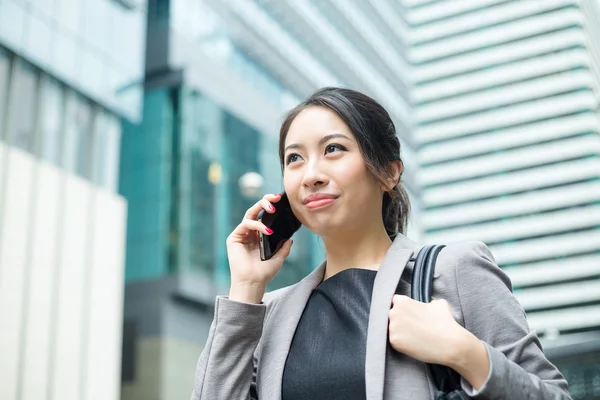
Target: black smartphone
x=284, y=224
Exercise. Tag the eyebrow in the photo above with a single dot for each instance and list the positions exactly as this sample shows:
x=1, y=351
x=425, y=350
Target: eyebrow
x=322, y=141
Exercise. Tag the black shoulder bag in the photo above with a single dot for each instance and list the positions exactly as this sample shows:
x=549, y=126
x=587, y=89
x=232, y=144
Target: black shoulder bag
x=446, y=380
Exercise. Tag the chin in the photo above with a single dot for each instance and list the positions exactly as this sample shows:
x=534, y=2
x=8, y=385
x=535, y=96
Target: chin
x=325, y=227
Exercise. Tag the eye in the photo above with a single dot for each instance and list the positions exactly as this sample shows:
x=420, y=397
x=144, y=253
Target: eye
x=292, y=158
x=333, y=148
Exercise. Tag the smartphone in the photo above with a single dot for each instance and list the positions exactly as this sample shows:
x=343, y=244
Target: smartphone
x=284, y=224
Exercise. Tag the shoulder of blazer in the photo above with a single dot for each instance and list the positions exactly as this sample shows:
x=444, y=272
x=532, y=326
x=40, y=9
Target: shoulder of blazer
x=462, y=256
x=270, y=299
x=463, y=265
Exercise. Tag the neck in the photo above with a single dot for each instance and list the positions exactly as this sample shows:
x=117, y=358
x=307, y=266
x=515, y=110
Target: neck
x=357, y=248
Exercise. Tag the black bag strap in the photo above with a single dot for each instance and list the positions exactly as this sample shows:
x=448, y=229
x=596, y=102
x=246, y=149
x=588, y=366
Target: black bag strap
x=446, y=380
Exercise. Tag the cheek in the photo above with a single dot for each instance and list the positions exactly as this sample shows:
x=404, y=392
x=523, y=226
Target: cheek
x=291, y=184
x=355, y=175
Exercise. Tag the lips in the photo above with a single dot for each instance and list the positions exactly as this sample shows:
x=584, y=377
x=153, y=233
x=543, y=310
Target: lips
x=317, y=200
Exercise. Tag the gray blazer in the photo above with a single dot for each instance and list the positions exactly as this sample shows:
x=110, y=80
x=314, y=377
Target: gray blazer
x=248, y=343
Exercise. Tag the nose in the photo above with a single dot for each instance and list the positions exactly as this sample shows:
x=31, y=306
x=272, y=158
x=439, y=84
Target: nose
x=314, y=176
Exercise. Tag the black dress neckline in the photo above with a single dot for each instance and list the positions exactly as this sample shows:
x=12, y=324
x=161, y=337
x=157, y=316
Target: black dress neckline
x=327, y=355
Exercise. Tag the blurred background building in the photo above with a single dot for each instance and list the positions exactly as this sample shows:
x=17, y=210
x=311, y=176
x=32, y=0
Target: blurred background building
x=70, y=71
x=134, y=135
x=506, y=103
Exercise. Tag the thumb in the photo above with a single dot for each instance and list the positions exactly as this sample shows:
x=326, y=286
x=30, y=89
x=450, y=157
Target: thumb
x=284, y=251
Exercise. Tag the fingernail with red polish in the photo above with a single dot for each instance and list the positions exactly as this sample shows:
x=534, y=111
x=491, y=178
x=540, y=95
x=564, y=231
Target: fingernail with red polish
x=269, y=230
x=271, y=207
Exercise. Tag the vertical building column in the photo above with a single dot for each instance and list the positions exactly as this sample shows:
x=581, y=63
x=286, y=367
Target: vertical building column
x=14, y=260
x=40, y=303
x=68, y=343
x=103, y=323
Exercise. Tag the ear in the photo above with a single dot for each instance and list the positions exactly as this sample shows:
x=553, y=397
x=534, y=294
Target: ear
x=396, y=167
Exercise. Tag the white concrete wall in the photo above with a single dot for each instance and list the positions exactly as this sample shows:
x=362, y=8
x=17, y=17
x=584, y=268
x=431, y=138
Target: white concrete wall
x=62, y=244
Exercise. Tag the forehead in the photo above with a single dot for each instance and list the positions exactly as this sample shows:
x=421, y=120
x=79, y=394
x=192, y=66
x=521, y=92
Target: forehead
x=315, y=122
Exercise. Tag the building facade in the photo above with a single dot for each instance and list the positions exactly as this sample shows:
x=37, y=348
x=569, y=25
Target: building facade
x=506, y=103
x=69, y=71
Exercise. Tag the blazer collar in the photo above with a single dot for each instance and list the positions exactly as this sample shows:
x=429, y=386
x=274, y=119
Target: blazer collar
x=288, y=310
x=386, y=281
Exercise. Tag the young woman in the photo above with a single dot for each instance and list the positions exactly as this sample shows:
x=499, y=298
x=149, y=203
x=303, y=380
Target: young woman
x=342, y=332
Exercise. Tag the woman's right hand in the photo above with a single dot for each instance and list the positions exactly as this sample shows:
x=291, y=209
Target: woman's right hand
x=249, y=274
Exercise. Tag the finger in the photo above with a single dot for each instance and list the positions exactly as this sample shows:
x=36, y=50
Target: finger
x=398, y=298
x=253, y=211
x=267, y=206
x=441, y=303
x=250, y=225
x=273, y=198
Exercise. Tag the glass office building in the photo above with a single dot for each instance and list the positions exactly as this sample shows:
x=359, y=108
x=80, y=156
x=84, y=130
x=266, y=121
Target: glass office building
x=210, y=117
x=70, y=71
x=181, y=171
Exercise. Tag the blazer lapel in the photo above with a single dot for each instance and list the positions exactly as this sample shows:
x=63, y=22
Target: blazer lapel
x=287, y=313
x=384, y=288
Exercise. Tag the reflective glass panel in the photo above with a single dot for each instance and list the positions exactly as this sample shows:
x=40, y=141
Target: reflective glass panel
x=52, y=113
x=110, y=157
x=4, y=80
x=23, y=100
x=77, y=143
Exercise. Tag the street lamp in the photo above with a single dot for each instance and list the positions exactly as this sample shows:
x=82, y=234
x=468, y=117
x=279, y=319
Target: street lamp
x=251, y=184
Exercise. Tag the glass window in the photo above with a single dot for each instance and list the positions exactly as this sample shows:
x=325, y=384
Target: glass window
x=84, y=128
x=65, y=56
x=107, y=150
x=95, y=23
x=67, y=14
x=4, y=80
x=47, y=7
x=40, y=37
x=23, y=100
x=12, y=26
x=70, y=133
x=52, y=113
x=93, y=75
x=99, y=146
x=77, y=143
x=110, y=159
x=126, y=36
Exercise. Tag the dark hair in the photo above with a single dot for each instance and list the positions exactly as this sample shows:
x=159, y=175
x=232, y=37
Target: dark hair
x=375, y=133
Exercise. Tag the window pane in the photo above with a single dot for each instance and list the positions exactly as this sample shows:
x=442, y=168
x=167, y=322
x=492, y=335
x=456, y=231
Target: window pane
x=70, y=132
x=47, y=7
x=107, y=145
x=52, y=109
x=4, y=71
x=67, y=14
x=84, y=128
x=111, y=158
x=100, y=147
x=12, y=22
x=40, y=37
x=23, y=106
x=77, y=136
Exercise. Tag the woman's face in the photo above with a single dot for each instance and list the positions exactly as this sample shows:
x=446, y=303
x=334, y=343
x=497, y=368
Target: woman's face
x=325, y=177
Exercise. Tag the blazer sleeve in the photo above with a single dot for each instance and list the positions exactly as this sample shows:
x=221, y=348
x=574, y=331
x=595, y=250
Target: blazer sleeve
x=227, y=366
x=518, y=367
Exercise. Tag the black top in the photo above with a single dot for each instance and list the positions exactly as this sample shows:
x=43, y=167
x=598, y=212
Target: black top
x=327, y=355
